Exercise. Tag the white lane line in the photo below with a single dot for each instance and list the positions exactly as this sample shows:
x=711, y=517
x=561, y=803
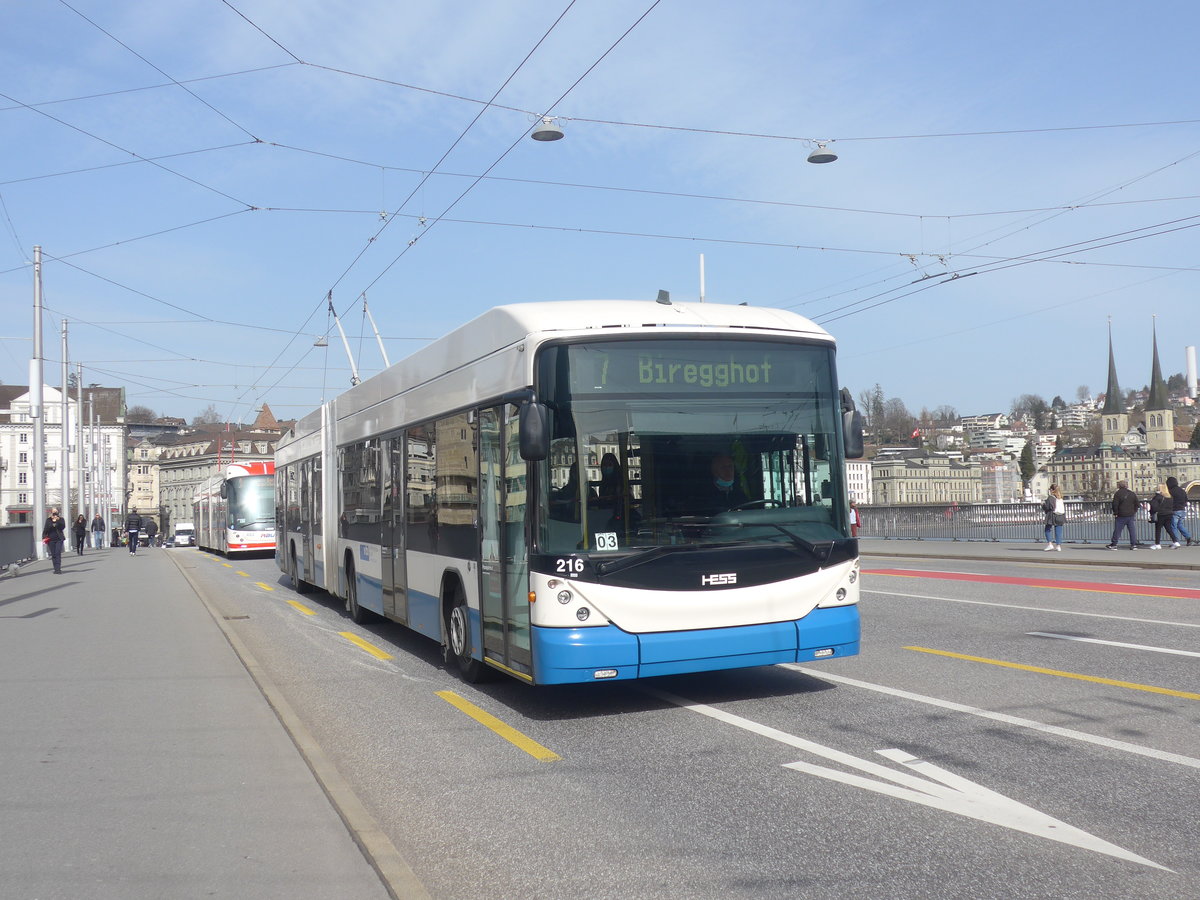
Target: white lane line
x=932, y=786
x=1063, y=612
x=1109, y=743
x=1072, y=637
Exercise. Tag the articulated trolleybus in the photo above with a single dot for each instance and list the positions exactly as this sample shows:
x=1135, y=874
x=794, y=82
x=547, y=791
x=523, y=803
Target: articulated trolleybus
x=234, y=512
x=580, y=491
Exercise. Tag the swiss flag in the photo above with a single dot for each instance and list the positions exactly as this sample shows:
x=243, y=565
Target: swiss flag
x=916, y=433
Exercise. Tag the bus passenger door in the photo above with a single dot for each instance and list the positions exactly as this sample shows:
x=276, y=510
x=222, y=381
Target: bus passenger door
x=395, y=593
x=504, y=568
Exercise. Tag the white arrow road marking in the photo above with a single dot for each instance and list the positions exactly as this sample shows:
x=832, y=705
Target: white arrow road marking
x=939, y=788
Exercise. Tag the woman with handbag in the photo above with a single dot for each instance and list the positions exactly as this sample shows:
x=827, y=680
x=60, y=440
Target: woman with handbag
x=1056, y=517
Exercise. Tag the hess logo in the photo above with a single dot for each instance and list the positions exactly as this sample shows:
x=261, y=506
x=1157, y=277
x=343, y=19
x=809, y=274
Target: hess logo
x=710, y=580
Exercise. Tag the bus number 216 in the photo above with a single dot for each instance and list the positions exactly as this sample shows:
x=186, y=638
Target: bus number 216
x=571, y=567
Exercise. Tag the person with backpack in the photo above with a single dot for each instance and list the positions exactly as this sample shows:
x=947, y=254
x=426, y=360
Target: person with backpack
x=151, y=532
x=1179, y=503
x=133, y=526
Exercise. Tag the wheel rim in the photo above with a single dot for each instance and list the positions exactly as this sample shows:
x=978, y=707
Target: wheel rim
x=458, y=632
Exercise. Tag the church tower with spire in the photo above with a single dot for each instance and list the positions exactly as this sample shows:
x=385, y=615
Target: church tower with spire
x=1160, y=418
x=1114, y=419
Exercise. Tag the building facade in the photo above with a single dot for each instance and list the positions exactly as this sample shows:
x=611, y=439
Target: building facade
x=101, y=458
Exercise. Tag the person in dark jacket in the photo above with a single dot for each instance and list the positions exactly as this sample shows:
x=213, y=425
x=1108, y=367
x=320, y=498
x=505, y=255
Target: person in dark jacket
x=54, y=533
x=1124, y=507
x=133, y=525
x=151, y=532
x=79, y=533
x=1179, y=502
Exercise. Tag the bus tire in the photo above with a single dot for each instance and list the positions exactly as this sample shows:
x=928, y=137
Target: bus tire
x=458, y=637
x=357, y=614
x=298, y=584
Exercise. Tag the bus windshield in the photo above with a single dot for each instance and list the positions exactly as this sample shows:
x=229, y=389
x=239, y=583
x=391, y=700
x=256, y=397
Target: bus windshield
x=701, y=442
x=251, y=503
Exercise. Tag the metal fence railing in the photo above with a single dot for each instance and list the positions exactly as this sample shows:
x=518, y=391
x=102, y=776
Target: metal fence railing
x=1088, y=521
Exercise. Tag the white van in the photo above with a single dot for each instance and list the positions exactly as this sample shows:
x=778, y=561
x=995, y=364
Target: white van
x=184, y=535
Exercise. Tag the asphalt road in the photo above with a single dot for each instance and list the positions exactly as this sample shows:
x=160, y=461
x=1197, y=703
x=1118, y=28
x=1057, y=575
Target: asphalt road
x=1008, y=731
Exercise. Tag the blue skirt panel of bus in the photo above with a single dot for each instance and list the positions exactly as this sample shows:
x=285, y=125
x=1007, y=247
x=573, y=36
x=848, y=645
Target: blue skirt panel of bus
x=571, y=655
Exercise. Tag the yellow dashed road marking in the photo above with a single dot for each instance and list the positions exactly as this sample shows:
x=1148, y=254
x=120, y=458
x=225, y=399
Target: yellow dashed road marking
x=510, y=734
x=365, y=645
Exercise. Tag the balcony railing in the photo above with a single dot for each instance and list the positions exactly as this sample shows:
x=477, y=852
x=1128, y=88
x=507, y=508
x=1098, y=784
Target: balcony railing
x=1088, y=521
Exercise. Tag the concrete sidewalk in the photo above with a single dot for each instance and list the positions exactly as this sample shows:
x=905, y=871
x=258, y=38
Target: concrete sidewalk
x=1183, y=558
x=140, y=759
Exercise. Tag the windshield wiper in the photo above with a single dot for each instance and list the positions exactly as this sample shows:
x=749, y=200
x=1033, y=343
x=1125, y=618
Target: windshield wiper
x=611, y=567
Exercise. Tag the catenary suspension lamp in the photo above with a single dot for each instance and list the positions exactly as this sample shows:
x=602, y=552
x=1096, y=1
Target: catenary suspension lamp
x=547, y=130
x=822, y=154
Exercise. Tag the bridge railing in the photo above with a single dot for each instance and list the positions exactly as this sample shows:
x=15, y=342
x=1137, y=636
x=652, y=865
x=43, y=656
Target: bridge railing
x=1088, y=521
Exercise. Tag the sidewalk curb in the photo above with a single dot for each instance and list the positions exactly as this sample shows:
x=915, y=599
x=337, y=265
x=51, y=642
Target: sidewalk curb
x=398, y=878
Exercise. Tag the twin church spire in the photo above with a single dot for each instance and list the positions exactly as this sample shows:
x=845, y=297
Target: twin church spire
x=1159, y=426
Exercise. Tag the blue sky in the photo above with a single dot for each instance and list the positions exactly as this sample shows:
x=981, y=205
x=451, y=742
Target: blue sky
x=201, y=174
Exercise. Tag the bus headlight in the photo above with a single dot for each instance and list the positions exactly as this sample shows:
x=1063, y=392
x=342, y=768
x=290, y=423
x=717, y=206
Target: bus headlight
x=841, y=595
x=582, y=613
x=854, y=575
x=565, y=597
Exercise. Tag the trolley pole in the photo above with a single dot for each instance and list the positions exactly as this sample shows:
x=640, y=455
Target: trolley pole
x=35, y=407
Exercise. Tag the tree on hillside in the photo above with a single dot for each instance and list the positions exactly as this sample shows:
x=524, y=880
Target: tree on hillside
x=870, y=404
x=208, y=416
x=1027, y=464
x=897, y=422
x=1058, y=402
x=1033, y=408
x=141, y=415
x=1082, y=393
x=946, y=415
x=1176, y=382
x=1194, y=443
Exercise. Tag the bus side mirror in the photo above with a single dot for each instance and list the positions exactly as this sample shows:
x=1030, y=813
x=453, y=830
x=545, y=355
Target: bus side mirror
x=224, y=490
x=852, y=434
x=535, y=431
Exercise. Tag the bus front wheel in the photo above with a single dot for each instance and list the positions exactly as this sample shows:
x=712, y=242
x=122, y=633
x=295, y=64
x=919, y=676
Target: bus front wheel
x=458, y=639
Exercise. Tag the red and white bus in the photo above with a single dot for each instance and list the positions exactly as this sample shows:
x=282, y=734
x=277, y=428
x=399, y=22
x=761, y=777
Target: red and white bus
x=234, y=512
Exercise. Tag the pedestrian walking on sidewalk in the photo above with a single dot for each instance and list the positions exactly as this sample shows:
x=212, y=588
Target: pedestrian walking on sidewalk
x=1124, y=507
x=1179, y=503
x=151, y=532
x=79, y=533
x=1161, y=513
x=133, y=525
x=98, y=532
x=1056, y=517
x=54, y=534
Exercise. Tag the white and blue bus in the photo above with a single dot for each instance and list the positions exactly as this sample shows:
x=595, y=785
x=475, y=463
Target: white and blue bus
x=581, y=491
